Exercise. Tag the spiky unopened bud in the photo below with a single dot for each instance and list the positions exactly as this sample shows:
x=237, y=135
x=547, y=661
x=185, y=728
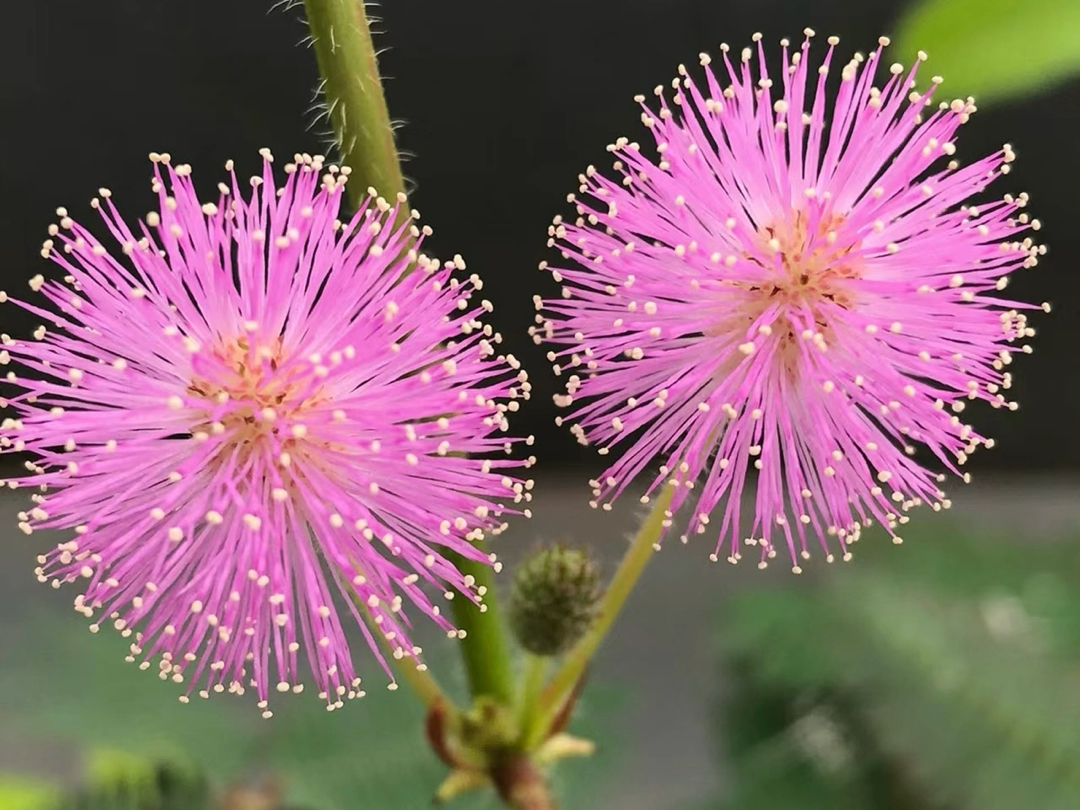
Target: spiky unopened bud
x=554, y=599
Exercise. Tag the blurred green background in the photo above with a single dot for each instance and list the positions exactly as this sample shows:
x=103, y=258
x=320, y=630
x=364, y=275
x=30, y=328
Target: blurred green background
x=941, y=675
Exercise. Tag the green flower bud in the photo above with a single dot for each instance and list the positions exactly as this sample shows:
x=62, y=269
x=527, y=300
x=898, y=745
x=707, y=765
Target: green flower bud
x=554, y=599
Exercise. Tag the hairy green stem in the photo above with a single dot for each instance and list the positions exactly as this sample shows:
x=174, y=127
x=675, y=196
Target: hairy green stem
x=573, y=666
x=355, y=102
x=485, y=648
x=357, y=111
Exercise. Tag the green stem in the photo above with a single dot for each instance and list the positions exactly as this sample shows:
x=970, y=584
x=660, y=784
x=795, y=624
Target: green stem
x=425, y=686
x=354, y=97
x=532, y=682
x=485, y=647
x=577, y=660
x=420, y=680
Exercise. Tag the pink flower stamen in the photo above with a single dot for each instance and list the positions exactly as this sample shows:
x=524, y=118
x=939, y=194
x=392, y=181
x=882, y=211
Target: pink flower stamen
x=252, y=415
x=791, y=289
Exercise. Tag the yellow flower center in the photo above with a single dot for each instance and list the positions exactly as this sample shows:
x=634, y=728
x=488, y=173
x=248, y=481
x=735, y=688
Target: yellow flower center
x=260, y=400
x=814, y=266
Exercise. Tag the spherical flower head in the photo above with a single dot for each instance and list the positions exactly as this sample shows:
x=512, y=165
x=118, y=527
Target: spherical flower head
x=554, y=599
x=795, y=288
x=253, y=419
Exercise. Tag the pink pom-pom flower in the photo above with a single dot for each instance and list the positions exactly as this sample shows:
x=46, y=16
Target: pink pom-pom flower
x=255, y=422
x=794, y=288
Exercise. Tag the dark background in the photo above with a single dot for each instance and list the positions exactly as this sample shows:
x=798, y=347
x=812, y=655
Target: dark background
x=501, y=104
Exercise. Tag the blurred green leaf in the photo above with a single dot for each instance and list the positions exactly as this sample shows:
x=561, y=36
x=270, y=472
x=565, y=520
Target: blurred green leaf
x=19, y=793
x=993, y=49
x=957, y=655
x=136, y=787
x=108, y=766
x=799, y=748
